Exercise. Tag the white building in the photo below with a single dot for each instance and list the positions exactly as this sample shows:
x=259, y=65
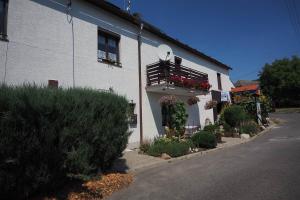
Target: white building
x=91, y=43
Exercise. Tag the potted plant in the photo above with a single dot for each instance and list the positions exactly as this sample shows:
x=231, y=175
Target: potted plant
x=167, y=100
x=193, y=100
x=210, y=104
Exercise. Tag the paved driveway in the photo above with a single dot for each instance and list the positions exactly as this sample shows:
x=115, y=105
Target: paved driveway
x=266, y=168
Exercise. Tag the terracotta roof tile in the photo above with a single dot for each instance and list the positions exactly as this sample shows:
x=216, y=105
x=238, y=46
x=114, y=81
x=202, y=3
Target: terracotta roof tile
x=245, y=88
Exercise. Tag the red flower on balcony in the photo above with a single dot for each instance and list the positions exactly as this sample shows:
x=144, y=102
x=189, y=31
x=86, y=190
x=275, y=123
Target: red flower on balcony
x=175, y=78
x=189, y=83
x=205, y=85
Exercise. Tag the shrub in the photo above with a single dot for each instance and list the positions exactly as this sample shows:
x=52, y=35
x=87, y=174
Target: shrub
x=145, y=146
x=172, y=147
x=228, y=130
x=204, y=139
x=174, y=115
x=249, y=127
x=234, y=115
x=250, y=108
x=212, y=128
x=48, y=134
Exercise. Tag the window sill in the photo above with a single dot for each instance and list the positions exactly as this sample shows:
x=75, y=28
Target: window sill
x=109, y=63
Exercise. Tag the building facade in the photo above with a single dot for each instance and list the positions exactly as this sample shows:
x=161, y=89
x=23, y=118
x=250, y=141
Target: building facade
x=89, y=43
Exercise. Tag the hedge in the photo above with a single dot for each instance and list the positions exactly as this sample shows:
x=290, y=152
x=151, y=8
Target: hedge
x=204, y=139
x=172, y=147
x=50, y=134
x=234, y=115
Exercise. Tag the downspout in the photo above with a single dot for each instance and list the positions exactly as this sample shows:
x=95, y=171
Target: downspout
x=140, y=81
x=70, y=20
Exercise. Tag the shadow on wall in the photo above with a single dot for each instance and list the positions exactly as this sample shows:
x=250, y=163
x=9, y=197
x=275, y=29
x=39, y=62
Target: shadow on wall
x=156, y=111
x=192, y=111
x=194, y=115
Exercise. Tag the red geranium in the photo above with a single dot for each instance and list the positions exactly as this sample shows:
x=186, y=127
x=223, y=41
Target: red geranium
x=205, y=85
x=189, y=83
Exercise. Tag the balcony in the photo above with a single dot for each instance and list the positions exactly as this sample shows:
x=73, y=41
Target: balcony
x=171, y=78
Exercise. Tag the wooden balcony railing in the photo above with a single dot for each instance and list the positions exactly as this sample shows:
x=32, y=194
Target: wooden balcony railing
x=177, y=75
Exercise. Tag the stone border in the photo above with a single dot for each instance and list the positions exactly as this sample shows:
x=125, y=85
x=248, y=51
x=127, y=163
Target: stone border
x=201, y=153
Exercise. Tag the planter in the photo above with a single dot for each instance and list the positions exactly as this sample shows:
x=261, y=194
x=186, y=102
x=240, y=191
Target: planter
x=210, y=104
x=193, y=100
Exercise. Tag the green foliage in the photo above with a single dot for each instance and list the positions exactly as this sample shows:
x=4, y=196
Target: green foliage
x=212, y=128
x=204, y=139
x=173, y=147
x=145, y=146
x=249, y=127
x=179, y=117
x=175, y=116
x=251, y=107
x=164, y=140
x=266, y=106
x=228, y=130
x=47, y=134
x=234, y=115
x=281, y=81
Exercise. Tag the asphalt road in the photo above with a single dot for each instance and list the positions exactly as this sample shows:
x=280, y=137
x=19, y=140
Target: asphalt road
x=266, y=168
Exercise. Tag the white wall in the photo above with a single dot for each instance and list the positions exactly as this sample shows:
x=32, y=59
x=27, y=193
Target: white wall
x=40, y=48
x=151, y=114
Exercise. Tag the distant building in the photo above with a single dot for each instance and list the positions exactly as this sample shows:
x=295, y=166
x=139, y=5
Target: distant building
x=240, y=83
x=245, y=89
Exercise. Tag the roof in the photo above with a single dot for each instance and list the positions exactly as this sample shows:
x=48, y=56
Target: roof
x=240, y=83
x=152, y=29
x=252, y=87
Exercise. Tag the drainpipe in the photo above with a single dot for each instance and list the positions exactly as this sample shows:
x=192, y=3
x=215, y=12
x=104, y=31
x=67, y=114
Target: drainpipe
x=140, y=81
x=70, y=20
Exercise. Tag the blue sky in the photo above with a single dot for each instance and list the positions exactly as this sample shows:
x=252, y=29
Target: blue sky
x=244, y=34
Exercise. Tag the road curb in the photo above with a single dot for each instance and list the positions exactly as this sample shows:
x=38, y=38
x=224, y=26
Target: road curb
x=201, y=153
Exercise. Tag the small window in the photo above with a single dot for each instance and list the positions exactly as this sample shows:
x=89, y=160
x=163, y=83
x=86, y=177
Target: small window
x=108, y=47
x=219, y=81
x=3, y=18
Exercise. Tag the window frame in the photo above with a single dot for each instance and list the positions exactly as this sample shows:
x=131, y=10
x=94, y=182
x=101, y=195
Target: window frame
x=219, y=80
x=3, y=28
x=109, y=35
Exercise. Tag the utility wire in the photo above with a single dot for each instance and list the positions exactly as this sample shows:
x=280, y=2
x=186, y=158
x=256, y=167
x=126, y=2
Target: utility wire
x=246, y=74
x=294, y=17
x=296, y=14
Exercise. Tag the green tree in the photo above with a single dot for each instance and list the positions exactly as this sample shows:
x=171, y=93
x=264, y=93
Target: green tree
x=281, y=81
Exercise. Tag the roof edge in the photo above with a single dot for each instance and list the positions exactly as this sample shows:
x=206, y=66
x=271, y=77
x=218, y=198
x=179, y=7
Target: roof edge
x=152, y=29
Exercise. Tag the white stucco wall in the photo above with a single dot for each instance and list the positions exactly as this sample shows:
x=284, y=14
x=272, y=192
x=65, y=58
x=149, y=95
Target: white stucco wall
x=40, y=48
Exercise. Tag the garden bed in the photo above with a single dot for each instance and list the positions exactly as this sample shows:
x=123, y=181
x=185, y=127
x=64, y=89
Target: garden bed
x=94, y=189
x=167, y=147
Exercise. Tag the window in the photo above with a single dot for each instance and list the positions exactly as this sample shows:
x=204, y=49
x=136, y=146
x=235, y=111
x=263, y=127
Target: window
x=3, y=18
x=219, y=81
x=108, y=47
